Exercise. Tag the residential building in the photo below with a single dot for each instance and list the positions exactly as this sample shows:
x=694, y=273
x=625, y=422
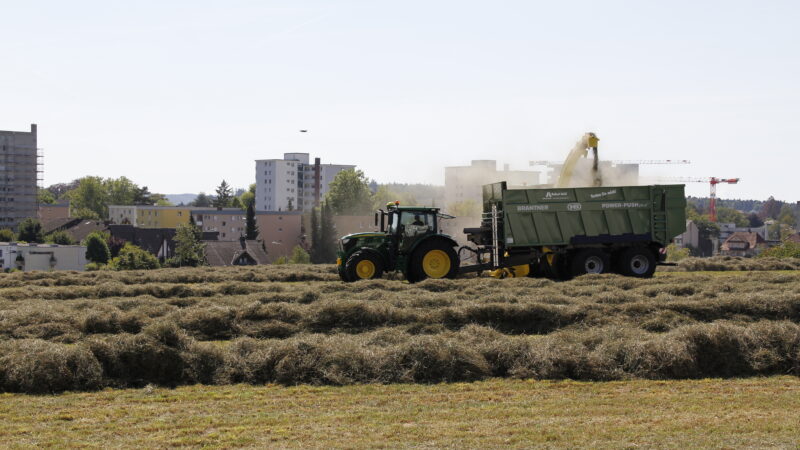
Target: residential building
x=690, y=238
x=161, y=216
x=122, y=214
x=230, y=223
x=240, y=252
x=28, y=257
x=743, y=243
x=280, y=231
x=465, y=183
x=727, y=229
x=54, y=211
x=293, y=183
x=157, y=241
x=19, y=176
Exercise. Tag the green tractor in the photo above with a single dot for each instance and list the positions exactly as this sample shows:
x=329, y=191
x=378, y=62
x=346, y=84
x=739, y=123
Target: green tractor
x=411, y=244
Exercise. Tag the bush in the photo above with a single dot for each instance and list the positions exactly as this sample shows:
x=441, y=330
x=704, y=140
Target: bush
x=97, y=249
x=7, y=235
x=60, y=238
x=132, y=257
x=786, y=250
x=299, y=256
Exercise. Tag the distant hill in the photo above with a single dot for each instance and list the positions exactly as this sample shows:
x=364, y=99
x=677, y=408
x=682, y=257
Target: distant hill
x=177, y=199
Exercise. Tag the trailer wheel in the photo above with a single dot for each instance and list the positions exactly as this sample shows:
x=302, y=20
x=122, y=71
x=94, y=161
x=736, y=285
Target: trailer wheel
x=363, y=265
x=590, y=261
x=433, y=259
x=637, y=262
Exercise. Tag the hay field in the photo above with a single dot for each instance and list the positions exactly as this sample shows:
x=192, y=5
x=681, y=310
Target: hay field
x=293, y=325
x=499, y=413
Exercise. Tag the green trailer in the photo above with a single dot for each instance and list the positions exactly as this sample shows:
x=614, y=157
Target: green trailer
x=561, y=232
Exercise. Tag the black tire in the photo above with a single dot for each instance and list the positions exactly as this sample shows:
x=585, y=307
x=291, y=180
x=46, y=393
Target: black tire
x=637, y=262
x=351, y=270
x=590, y=260
x=343, y=275
x=416, y=271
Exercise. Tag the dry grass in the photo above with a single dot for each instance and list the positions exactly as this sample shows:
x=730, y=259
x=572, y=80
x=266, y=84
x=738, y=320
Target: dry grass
x=300, y=325
x=709, y=413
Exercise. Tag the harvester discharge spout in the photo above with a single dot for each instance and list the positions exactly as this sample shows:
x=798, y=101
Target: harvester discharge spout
x=589, y=141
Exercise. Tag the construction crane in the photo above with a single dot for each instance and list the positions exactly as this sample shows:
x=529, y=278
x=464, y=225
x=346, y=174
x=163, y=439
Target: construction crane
x=617, y=162
x=713, y=181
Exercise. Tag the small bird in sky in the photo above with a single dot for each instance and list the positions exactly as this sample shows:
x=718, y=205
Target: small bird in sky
x=304, y=131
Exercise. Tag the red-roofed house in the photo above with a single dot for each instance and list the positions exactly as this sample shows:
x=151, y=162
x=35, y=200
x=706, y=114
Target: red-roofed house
x=742, y=243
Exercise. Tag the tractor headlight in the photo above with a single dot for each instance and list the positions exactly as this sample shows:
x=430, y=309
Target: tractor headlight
x=345, y=241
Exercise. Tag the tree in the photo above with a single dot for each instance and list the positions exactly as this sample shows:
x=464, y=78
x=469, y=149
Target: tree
x=280, y=261
x=250, y=227
x=754, y=221
x=465, y=208
x=314, y=225
x=787, y=217
x=132, y=257
x=45, y=197
x=224, y=194
x=248, y=197
x=60, y=238
x=7, y=235
x=299, y=256
x=707, y=231
x=30, y=230
x=349, y=194
x=96, y=248
x=771, y=209
x=730, y=215
x=89, y=196
x=189, y=249
x=121, y=191
x=327, y=235
x=202, y=200
x=384, y=194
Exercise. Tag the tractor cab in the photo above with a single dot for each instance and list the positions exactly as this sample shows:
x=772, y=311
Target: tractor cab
x=402, y=232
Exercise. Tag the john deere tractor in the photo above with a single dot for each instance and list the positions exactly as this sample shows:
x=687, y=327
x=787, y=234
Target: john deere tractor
x=409, y=241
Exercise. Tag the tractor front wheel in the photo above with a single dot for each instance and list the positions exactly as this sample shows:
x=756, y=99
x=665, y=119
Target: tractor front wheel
x=363, y=266
x=433, y=259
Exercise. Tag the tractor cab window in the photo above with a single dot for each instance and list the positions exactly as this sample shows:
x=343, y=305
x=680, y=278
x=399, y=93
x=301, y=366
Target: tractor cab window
x=416, y=223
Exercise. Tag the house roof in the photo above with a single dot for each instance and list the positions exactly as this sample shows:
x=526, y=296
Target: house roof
x=794, y=238
x=752, y=239
x=225, y=253
x=83, y=228
x=48, y=226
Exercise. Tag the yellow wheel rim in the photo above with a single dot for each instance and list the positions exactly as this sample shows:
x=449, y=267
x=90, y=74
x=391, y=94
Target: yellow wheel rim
x=522, y=271
x=365, y=269
x=436, y=264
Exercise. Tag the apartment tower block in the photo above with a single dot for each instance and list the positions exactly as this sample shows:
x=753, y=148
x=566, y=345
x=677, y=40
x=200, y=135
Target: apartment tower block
x=19, y=176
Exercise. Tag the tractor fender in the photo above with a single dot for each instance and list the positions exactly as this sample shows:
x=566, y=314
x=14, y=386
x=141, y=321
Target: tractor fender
x=371, y=251
x=439, y=237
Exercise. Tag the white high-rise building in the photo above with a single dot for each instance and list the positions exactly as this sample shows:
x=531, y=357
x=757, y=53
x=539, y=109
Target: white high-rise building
x=293, y=183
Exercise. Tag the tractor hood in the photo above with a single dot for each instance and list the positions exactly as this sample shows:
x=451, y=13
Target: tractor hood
x=361, y=235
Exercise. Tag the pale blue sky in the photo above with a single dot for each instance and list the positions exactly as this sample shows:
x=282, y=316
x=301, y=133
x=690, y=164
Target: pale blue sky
x=177, y=95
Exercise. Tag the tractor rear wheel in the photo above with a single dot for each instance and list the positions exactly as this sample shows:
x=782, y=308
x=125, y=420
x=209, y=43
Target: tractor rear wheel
x=363, y=266
x=433, y=259
x=590, y=261
x=637, y=262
